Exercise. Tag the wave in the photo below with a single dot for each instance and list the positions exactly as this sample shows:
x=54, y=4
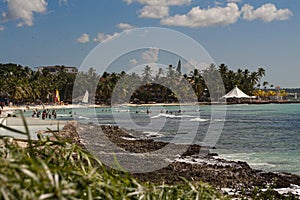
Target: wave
x=151, y=134
x=129, y=138
x=121, y=110
x=171, y=116
x=198, y=119
x=81, y=117
x=63, y=115
x=219, y=120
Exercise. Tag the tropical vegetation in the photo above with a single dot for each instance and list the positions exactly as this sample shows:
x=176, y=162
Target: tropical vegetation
x=23, y=84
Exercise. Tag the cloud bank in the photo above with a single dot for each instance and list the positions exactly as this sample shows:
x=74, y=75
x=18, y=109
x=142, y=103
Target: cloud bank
x=230, y=14
x=198, y=17
x=267, y=13
x=218, y=15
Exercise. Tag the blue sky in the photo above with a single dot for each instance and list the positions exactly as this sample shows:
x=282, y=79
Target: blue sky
x=240, y=33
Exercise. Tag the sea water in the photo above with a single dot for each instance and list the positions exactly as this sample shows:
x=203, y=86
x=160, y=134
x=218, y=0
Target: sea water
x=266, y=136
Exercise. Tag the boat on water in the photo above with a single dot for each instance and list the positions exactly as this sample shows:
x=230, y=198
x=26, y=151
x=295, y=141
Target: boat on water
x=85, y=98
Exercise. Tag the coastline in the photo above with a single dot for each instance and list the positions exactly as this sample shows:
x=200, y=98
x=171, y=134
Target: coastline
x=71, y=106
x=234, y=178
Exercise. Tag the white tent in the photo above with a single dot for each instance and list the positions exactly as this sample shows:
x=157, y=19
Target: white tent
x=236, y=93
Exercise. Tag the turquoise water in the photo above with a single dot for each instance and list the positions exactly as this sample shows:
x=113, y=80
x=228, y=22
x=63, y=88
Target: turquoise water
x=62, y=114
x=266, y=136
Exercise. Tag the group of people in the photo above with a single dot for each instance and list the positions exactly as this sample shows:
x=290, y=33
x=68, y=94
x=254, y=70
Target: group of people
x=45, y=114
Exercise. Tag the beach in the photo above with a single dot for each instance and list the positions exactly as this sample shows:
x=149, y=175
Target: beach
x=236, y=178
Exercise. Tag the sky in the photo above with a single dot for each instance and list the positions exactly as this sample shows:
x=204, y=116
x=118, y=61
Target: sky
x=240, y=33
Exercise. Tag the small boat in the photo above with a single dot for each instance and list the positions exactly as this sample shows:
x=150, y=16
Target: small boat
x=85, y=98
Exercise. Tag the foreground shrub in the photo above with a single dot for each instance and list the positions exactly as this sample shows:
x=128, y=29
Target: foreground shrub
x=59, y=169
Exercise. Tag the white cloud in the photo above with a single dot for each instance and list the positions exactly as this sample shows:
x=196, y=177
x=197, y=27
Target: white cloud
x=125, y=26
x=24, y=10
x=133, y=62
x=198, y=17
x=84, y=38
x=150, y=56
x=157, y=9
x=2, y=28
x=101, y=37
x=156, y=12
x=267, y=13
x=160, y=2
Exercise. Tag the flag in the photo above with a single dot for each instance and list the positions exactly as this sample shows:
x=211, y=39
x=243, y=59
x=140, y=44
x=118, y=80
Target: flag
x=57, y=98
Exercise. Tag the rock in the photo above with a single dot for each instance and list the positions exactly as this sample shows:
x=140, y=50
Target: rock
x=238, y=176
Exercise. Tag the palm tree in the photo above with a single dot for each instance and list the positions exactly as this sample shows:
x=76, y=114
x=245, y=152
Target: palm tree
x=147, y=74
x=261, y=73
x=265, y=83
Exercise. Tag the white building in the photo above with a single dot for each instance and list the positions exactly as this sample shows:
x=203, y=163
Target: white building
x=57, y=68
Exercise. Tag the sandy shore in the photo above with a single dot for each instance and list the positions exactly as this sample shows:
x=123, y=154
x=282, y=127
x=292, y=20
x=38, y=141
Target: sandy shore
x=71, y=106
x=39, y=107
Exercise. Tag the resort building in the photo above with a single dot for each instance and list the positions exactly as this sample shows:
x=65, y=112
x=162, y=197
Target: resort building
x=58, y=68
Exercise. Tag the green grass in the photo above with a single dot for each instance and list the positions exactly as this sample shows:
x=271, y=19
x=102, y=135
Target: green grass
x=59, y=169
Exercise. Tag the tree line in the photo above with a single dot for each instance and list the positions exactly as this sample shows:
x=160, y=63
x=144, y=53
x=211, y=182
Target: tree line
x=23, y=84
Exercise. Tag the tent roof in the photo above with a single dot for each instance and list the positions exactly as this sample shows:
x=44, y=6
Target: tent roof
x=236, y=93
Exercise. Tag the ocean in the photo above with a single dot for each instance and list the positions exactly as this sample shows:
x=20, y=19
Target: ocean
x=266, y=136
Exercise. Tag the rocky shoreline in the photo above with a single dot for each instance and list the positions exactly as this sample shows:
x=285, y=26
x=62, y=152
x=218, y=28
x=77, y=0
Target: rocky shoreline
x=236, y=179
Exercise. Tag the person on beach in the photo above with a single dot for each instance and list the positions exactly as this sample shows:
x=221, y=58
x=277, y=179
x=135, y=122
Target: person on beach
x=34, y=113
x=44, y=115
x=47, y=113
x=54, y=114
x=38, y=114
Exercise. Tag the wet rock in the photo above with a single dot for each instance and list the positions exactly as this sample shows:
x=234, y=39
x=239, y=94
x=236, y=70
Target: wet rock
x=238, y=176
